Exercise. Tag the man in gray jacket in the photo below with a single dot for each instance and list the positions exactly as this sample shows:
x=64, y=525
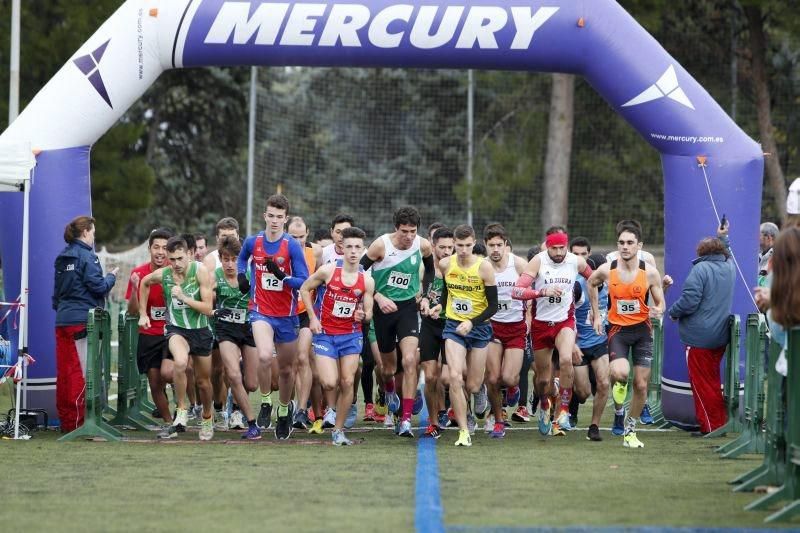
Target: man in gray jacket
x=703, y=315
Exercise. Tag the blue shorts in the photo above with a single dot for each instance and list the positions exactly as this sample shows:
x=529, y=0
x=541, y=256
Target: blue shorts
x=286, y=328
x=478, y=337
x=336, y=346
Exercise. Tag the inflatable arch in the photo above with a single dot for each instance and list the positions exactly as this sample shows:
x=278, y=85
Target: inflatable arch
x=594, y=38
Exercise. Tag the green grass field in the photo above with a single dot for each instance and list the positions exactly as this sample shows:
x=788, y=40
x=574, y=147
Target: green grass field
x=524, y=480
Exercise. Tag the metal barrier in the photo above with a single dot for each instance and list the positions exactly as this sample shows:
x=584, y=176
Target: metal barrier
x=730, y=387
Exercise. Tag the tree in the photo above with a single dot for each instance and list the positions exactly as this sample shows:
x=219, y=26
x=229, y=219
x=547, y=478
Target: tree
x=561, y=124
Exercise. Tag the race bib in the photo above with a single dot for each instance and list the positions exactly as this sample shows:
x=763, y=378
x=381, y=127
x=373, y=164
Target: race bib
x=237, y=316
x=503, y=305
x=462, y=307
x=158, y=313
x=399, y=280
x=343, y=309
x=177, y=304
x=627, y=307
x=270, y=283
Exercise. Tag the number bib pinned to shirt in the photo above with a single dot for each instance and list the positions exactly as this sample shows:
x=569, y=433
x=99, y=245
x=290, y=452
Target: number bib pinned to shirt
x=270, y=283
x=158, y=313
x=343, y=309
x=237, y=316
x=627, y=307
x=399, y=280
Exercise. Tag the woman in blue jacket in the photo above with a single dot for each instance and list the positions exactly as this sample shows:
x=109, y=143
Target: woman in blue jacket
x=79, y=287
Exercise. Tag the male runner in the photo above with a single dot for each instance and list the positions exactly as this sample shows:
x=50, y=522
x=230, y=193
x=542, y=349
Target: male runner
x=345, y=302
x=395, y=259
x=200, y=246
x=630, y=280
x=278, y=269
x=504, y=359
x=152, y=348
x=470, y=299
x=553, y=324
x=187, y=289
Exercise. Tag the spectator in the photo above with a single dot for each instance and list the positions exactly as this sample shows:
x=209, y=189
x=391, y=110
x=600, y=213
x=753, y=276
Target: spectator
x=79, y=287
x=784, y=311
x=702, y=312
x=793, y=205
x=767, y=238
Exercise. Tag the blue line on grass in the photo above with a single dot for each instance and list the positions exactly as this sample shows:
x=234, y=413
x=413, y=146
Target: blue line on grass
x=428, y=516
x=595, y=529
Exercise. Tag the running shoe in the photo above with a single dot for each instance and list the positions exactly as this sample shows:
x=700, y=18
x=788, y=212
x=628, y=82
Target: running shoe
x=594, y=433
x=338, y=438
x=283, y=429
x=451, y=418
x=301, y=419
x=329, y=420
x=619, y=392
x=264, y=419
x=544, y=421
x=463, y=438
x=311, y=414
x=392, y=401
x=196, y=412
x=380, y=406
x=206, y=429
x=418, y=402
x=156, y=413
x=488, y=424
x=316, y=427
x=443, y=419
x=405, y=429
x=498, y=432
x=481, y=402
x=563, y=420
x=388, y=421
x=379, y=419
x=556, y=431
x=573, y=420
x=619, y=425
x=630, y=441
x=236, y=421
x=433, y=431
x=169, y=431
x=512, y=396
x=220, y=420
x=181, y=420
x=352, y=414
x=506, y=423
x=369, y=413
x=252, y=433
x=521, y=414
x=471, y=423
x=646, y=418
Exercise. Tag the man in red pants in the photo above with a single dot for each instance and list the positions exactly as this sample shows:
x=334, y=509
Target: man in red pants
x=703, y=312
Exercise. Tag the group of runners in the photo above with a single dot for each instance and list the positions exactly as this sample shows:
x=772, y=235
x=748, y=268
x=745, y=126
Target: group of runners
x=306, y=323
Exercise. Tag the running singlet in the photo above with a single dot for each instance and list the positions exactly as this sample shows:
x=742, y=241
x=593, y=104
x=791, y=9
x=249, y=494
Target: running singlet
x=311, y=263
x=628, y=301
x=179, y=313
x=340, y=302
x=231, y=298
x=271, y=296
x=508, y=309
x=397, y=275
x=587, y=336
x=329, y=254
x=466, y=292
x=155, y=308
x=559, y=275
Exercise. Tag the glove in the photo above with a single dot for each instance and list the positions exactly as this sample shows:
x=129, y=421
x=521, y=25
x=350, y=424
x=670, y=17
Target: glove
x=274, y=269
x=222, y=313
x=244, y=283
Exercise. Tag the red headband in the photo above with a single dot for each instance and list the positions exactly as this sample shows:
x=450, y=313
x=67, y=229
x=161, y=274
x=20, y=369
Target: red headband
x=557, y=239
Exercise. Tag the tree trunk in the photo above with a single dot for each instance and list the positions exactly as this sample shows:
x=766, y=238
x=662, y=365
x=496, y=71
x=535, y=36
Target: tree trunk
x=559, y=151
x=758, y=52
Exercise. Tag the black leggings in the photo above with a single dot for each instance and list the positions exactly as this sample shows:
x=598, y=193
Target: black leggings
x=523, y=374
x=367, y=369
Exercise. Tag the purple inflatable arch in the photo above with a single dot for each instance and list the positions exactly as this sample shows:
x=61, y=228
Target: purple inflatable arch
x=594, y=38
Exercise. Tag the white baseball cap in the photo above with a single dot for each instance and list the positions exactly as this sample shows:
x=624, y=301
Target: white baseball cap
x=793, y=199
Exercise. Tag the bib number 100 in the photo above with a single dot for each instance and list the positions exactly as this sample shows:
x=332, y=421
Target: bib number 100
x=399, y=280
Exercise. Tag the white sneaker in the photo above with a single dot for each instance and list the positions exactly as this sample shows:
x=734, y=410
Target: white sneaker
x=481, y=401
x=220, y=420
x=329, y=420
x=236, y=421
x=388, y=422
x=206, y=429
x=488, y=424
x=181, y=418
x=471, y=423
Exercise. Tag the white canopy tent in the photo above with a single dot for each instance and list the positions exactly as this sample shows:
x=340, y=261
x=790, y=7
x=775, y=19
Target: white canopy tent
x=17, y=162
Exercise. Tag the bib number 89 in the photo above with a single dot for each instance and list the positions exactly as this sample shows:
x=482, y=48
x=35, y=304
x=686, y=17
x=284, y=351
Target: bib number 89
x=554, y=300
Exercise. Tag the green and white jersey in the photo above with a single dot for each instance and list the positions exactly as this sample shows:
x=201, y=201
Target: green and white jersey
x=231, y=298
x=397, y=275
x=179, y=314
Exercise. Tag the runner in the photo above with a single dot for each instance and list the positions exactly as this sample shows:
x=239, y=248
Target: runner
x=470, y=299
x=345, y=302
x=630, y=281
x=504, y=359
x=188, y=294
x=553, y=324
x=278, y=268
x=200, y=246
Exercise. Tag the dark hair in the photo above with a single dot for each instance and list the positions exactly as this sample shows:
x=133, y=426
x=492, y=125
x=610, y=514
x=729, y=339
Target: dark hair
x=463, y=231
x=200, y=237
x=322, y=234
x=532, y=251
x=226, y=223
x=340, y=218
x=433, y=228
x=629, y=223
x=159, y=233
x=636, y=230
x=595, y=260
x=188, y=238
x=495, y=230
x=785, y=290
x=229, y=245
x=711, y=246
x=297, y=220
x=76, y=227
x=555, y=229
x=177, y=243
x=278, y=201
x=580, y=241
x=353, y=233
x=442, y=233
x=406, y=216
x=479, y=249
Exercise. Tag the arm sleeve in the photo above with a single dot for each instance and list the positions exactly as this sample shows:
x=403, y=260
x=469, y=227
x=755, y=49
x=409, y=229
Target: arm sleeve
x=93, y=277
x=443, y=299
x=366, y=262
x=244, y=255
x=491, y=309
x=522, y=288
x=299, y=266
x=429, y=274
x=690, y=296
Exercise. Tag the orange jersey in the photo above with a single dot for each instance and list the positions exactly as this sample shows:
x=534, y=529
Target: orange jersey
x=311, y=263
x=628, y=301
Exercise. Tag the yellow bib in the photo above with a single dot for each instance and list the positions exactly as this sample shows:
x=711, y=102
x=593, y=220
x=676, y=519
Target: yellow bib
x=466, y=293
